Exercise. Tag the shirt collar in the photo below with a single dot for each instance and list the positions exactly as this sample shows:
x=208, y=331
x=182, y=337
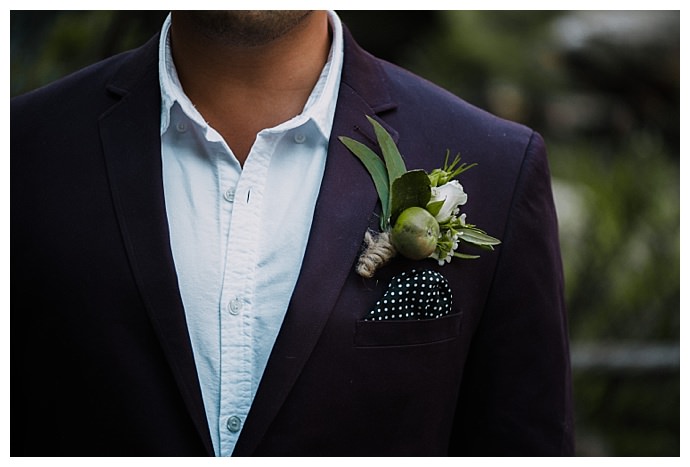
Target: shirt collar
x=320, y=107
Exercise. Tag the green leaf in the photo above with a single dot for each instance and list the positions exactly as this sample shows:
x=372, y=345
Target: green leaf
x=478, y=237
x=435, y=207
x=394, y=161
x=378, y=172
x=465, y=256
x=410, y=189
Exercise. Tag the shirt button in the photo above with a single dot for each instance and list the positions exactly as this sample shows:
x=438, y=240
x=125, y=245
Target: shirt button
x=300, y=138
x=181, y=127
x=235, y=306
x=229, y=195
x=234, y=424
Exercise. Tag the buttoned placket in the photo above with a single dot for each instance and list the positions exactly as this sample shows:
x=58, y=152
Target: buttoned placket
x=240, y=195
x=237, y=298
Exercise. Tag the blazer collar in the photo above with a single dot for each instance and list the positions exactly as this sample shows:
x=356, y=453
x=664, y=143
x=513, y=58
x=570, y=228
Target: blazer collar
x=130, y=132
x=335, y=239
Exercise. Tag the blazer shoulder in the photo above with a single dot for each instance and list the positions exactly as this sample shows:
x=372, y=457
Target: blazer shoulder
x=431, y=120
x=75, y=102
x=87, y=83
x=415, y=92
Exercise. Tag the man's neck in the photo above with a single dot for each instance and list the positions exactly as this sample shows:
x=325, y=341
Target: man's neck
x=241, y=90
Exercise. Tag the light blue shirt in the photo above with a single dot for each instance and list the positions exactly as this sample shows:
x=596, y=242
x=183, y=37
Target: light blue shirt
x=238, y=234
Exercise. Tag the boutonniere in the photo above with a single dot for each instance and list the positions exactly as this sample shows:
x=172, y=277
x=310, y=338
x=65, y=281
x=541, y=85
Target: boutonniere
x=420, y=211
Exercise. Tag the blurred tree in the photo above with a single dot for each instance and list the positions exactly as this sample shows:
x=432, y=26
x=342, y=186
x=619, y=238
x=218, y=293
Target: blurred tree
x=45, y=45
x=389, y=34
x=633, y=58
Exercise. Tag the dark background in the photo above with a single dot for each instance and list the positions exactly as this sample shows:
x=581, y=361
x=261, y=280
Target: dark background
x=603, y=88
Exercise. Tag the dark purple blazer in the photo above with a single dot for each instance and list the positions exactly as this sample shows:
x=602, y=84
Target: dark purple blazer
x=101, y=362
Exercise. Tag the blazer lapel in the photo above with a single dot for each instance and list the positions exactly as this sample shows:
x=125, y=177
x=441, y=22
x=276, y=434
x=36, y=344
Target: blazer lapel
x=343, y=213
x=131, y=145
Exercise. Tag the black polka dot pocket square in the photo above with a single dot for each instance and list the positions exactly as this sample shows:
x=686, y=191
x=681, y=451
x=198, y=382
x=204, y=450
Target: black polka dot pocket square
x=414, y=295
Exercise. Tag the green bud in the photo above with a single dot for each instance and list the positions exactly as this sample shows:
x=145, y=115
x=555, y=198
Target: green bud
x=415, y=233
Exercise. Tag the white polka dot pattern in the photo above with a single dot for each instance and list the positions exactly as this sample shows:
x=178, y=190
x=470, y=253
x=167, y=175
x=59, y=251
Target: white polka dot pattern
x=414, y=295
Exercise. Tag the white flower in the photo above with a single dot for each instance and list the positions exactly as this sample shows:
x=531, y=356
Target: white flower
x=445, y=247
x=452, y=196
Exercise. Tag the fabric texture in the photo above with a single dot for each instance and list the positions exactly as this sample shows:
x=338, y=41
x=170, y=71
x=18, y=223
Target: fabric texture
x=415, y=295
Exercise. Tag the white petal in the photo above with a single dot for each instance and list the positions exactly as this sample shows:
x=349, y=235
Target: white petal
x=452, y=196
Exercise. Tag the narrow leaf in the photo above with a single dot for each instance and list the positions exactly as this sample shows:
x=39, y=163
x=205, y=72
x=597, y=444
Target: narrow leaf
x=410, y=189
x=465, y=256
x=376, y=168
x=477, y=237
x=394, y=161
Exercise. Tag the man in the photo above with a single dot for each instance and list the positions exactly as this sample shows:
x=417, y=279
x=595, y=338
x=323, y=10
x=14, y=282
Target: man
x=185, y=229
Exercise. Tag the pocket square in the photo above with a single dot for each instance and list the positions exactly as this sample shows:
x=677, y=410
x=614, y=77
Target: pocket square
x=414, y=295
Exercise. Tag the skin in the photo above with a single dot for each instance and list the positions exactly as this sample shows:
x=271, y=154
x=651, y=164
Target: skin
x=248, y=70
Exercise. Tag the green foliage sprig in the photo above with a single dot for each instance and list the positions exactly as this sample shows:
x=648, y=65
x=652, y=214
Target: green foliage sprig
x=420, y=212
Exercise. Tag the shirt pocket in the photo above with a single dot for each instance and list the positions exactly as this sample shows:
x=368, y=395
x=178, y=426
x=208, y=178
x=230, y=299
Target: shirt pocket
x=407, y=333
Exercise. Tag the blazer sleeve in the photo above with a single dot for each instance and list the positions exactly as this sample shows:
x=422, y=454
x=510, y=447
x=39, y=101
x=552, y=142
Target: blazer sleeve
x=515, y=397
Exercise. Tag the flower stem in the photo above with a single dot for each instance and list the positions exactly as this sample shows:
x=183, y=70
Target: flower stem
x=378, y=251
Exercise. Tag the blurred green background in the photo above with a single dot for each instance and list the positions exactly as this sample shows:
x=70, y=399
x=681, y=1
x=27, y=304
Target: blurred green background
x=603, y=88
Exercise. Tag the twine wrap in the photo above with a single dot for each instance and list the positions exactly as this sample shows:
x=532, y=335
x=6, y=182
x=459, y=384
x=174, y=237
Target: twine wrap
x=377, y=252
